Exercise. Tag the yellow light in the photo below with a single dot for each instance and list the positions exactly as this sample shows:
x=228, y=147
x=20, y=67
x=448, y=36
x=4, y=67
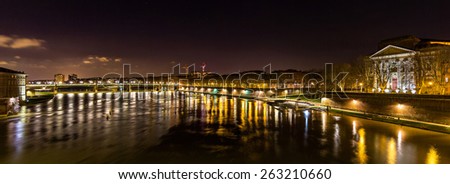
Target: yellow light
x=438, y=42
x=391, y=152
x=400, y=106
x=362, y=155
x=432, y=156
x=354, y=101
x=430, y=83
x=360, y=84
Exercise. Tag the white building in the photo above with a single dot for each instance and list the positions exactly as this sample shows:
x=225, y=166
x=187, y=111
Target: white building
x=411, y=65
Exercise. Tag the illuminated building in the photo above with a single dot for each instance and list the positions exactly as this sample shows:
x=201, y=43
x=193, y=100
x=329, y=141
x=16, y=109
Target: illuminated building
x=409, y=64
x=59, y=78
x=12, y=88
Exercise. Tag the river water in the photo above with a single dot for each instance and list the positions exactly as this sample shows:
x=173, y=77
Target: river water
x=179, y=127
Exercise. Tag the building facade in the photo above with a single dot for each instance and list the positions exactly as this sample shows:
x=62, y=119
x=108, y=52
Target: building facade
x=12, y=89
x=411, y=65
x=59, y=78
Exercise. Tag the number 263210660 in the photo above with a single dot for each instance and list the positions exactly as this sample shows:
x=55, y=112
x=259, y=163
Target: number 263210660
x=296, y=174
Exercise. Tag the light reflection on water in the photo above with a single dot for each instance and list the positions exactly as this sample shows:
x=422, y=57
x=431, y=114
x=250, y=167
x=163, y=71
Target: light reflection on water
x=172, y=127
x=391, y=152
x=362, y=155
x=432, y=156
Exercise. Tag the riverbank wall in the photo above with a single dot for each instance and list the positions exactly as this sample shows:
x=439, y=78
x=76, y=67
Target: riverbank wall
x=429, y=108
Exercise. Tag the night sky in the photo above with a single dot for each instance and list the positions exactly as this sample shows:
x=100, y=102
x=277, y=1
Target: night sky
x=43, y=38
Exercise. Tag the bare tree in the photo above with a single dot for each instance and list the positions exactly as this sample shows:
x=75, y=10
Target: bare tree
x=362, y=70
x=420, y=67
x=345, y=67
x=431, y=68
x=439, y=68
x=382, y=72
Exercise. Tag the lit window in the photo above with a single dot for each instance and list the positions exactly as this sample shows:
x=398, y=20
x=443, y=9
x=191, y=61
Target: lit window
x=446, y=79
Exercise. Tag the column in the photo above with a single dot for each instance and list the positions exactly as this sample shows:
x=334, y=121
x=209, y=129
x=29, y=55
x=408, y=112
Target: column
x=400, y=75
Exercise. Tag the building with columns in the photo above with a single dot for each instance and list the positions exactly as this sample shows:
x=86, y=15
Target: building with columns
x=411, y=65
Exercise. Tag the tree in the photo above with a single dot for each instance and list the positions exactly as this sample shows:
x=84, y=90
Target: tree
x=432, y=66
x=382, y=73
x=362, y=71
x=345, y=67
x=420, y=67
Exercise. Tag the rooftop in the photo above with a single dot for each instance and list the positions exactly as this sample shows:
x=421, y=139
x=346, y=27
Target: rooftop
x=412, y=42
x=6, y=70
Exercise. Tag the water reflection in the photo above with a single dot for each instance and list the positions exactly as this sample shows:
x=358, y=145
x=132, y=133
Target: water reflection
x=432, y=156
x=391, y=152
x=361, y=152
x=324, y=122
x=174, y=127
x=399, y=142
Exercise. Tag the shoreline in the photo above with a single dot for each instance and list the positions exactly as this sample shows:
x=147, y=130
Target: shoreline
x=424, y=125
x=394, y=120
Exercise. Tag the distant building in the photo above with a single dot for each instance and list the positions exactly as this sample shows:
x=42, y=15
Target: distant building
x=12, y=89
x=59, y=78
x=73, y=78
x=411, y=65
